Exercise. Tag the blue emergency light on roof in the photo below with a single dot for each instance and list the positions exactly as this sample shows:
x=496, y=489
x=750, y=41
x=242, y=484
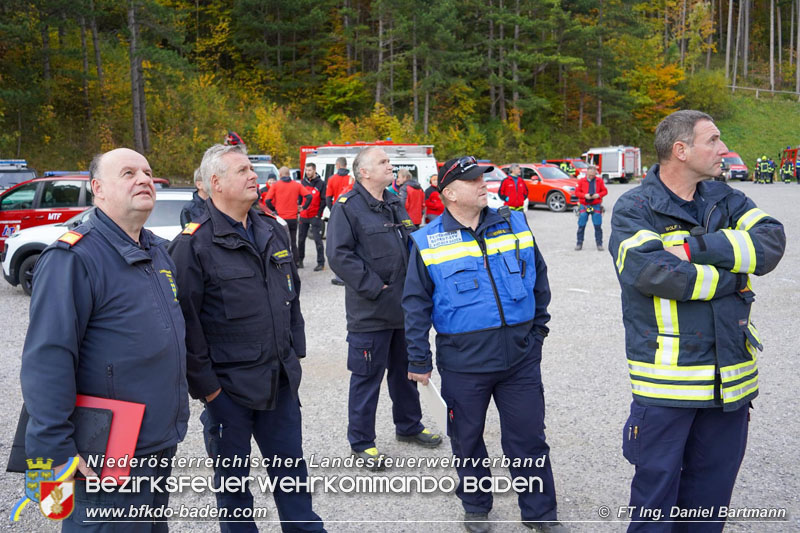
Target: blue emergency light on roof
x=389, y=139
x=51, y=173
x=260, y=157
x=13, y=162
x=484, y=160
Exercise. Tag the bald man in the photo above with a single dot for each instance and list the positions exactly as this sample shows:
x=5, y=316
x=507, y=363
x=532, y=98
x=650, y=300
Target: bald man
x=105, y=322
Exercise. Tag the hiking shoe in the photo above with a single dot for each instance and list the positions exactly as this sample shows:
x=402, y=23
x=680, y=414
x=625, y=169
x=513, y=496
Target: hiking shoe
x=600, y=248
x=423, y=438
x=579, y=247
x=373, y=461
x=477, y=522
x=547, y=527
x=319, y=268
x=337, y=281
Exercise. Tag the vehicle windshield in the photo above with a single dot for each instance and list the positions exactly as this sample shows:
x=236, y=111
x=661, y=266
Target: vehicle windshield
x=732, y=161
x=9, y=179
x=264, y=171
x=165, y=213
x=579, y=164
x=553, y=173
x=494, y=175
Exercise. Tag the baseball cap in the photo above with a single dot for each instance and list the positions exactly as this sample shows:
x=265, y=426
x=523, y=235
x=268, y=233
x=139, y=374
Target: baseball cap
x=461, y=168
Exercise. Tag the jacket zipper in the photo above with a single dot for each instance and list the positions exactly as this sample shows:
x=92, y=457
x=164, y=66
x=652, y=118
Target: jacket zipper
x=482, y=246
x=708, y=218
x=165, y=308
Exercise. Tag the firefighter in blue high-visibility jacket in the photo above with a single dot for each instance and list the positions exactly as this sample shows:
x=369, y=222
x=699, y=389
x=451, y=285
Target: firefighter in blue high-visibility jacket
x=476, y=275
x=684, y=247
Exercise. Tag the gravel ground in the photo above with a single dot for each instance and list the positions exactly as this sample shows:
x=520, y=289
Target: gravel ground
x=587, y=392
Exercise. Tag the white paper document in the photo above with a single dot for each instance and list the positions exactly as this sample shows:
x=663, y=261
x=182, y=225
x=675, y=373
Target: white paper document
x=434, y=404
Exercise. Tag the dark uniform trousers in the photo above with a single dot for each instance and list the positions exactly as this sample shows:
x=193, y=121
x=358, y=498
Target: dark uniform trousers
x=519, y=396
x=145, y=500
x=315, y=226
x=227, y=427
x=370, y=356
x=684, y=457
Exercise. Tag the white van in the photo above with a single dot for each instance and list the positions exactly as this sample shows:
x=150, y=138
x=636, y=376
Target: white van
x=416, y=158
x=615, y=162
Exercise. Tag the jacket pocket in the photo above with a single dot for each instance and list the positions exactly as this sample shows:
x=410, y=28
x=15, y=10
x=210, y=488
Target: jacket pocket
x=463, y=286
x=234, y=352
x=237, y=285
x=380, y=241
x=512, y=277
x=632, y=433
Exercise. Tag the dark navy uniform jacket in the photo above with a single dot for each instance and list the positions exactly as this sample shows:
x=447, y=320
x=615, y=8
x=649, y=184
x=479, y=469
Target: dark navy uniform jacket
x=368, y=248
x=240, y=302
x=104, y=321
x=193, y=209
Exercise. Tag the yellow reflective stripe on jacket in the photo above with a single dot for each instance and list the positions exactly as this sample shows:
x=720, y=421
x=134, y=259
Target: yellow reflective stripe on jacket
x=674, y=238
x=754, y=331
x=734, y=372
x=668, y=331
x=744, y=252
x=673, y=392
x=672, y=373
x=638, y=239
x=750, y=219
x=450, y=252
x=740, y=390
x=705, y=284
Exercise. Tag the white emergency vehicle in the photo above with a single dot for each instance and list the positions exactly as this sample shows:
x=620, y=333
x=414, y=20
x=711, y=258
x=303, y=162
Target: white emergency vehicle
x=615, y=162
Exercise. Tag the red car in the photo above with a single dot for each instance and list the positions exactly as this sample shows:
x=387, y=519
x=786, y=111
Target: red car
x=47, y=200
x=548, y=185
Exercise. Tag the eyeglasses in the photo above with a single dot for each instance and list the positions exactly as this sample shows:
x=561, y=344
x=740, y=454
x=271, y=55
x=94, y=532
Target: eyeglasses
x=464, y=163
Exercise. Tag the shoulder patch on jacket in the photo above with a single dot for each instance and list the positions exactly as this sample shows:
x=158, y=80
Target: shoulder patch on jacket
x=342, y=199
x=190, y=228
x=407, y=223
x=281, y=254
x=71, y=237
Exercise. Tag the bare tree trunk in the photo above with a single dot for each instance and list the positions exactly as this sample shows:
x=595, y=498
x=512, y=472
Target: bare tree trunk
x=599, y=119
x=772, y=45
x=580, y=112
x=427, y=99
x=728, y=42
x=797, y=44
x=46, y=60
x=143, y=107
x=414, y=78
x=379, y=84
x=514, y=65
x=709, y=39
x=347, y=45
x=780, y=45
x=490, y=47
x=683, y=32
x=19, y=129
x=746, y=37
x=98, y=60
x=138, y=141
x=85, y=54
x=739, y=24
x=501, y=60
x=280, y=42
x=391, y=66
x=666, y=30
x=791, y=34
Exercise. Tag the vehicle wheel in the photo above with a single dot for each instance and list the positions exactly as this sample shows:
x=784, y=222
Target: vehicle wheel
x=26, y=273
x=556, y=201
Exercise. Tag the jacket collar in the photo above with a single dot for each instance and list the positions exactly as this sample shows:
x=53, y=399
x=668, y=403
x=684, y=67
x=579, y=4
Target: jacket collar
x=120, y=241
x=373, y=203
x=661, y=201
x=489, y=217
x=225, y=235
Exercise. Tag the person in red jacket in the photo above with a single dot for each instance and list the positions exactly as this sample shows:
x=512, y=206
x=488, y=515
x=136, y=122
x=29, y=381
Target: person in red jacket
x=411, y=194
x=590, y=192
x=433, y=202
x=513, y=189
x=283, y=198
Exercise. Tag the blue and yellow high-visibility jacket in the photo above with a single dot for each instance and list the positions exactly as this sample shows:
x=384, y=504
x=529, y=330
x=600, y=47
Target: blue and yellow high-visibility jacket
x=688, y=334
x=485, y=291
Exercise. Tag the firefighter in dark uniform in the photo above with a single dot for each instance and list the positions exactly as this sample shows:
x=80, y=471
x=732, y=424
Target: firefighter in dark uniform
x=368, y=248
x=787, y=171
x=684, y=248
x=105, y=322
x=196, y=207
x=477, y=276
x=239, y=289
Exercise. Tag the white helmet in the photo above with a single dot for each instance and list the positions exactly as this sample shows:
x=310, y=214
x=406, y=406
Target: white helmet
x=758, y=160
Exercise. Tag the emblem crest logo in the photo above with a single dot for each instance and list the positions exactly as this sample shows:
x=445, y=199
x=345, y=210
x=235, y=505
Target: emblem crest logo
x=57, y=500
x=38, y=470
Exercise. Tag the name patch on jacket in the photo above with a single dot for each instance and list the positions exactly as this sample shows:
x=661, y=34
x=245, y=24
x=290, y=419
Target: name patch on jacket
x=673, y=227
x=443, y=239
x=498, y=232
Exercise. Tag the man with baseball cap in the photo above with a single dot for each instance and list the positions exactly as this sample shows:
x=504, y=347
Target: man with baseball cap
x=476, y=275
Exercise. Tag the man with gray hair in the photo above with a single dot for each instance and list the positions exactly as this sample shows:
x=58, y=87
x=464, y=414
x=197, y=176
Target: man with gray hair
x=239, y=291
x=590, y=192
x=368, y=248
x=195, y=207
x=105, y=322
x=684, y=247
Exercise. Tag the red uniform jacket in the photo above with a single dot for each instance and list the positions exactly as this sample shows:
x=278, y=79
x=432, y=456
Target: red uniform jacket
x=513, y=193
x=583, y=189
x=415, y=200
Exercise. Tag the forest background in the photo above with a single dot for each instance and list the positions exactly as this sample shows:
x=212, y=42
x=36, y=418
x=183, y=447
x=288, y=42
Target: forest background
x=507, y=80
